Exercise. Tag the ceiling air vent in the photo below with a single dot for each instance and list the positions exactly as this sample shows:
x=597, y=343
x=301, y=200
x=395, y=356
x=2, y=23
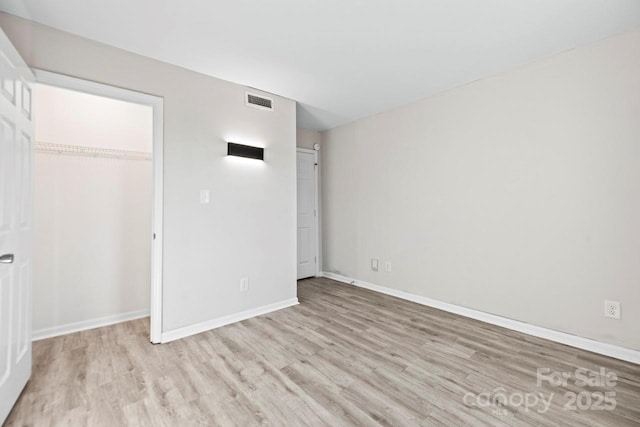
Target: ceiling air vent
x=259, y=102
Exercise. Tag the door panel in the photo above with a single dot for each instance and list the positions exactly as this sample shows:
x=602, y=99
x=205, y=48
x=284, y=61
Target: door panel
x=304, y=240
x=5, y=326
x=307, y=257
x=8, y=88
x=7, y=136
x=16, y=206
x=26, y=101
x=24, y=160
x=24, y=321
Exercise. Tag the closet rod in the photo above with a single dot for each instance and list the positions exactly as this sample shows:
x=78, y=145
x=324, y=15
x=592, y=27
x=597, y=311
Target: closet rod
x=77, y=150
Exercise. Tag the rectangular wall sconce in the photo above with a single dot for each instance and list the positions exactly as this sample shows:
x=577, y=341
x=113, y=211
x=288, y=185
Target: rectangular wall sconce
x=248, y=151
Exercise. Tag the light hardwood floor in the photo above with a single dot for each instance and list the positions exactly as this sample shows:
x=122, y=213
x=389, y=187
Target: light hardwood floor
x=344, y=356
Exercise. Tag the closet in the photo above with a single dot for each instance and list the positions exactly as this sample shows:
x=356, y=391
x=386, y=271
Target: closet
x=93, y=207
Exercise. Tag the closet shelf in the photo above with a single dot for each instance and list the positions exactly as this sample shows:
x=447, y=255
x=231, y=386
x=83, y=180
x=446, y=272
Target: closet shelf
x=78, y=150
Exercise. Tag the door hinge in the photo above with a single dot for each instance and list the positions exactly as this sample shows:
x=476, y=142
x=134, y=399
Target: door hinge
x=154, y=236
x=315, y=213
x=315, y=259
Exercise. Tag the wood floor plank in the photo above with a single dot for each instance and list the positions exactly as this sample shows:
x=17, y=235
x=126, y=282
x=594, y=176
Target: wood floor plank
x=344, y=356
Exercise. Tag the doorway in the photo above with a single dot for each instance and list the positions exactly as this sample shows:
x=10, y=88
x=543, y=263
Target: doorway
x=307, y=185
x=98, y=206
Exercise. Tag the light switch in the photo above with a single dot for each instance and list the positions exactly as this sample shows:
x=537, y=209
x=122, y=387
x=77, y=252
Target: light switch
x=204, y=196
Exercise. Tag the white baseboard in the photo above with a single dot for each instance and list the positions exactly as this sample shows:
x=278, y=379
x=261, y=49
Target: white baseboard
x=70, y=328
x=526, y=328
x=226, y=320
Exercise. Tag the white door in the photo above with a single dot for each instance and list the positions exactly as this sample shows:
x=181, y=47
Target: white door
x=307, y=256
x=16, y=160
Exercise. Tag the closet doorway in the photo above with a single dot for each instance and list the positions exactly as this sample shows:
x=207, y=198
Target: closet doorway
x=97, y=206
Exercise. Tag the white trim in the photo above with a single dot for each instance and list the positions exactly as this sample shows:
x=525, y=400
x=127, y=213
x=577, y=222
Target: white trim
x=588, y=344
x=157, y=227
x=316, y=208
x=84, y=325
x=226, y=320
x=157, y=103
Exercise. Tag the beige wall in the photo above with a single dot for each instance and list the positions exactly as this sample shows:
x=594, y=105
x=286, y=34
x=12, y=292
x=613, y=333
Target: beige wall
x=249, y=228
x=305, y=138
x=77, y=118
x=517, y=195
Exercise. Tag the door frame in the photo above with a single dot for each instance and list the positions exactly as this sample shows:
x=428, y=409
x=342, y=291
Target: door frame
x=316, y=202
x=157, y=104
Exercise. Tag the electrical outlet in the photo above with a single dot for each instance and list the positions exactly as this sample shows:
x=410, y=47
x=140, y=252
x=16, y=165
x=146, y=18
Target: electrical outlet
x=374, y=264
x=612, y=309
x=244, y=284
x=387, y=267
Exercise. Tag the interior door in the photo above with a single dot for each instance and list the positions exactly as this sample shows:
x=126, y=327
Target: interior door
x=16, y=211
x=307, y=256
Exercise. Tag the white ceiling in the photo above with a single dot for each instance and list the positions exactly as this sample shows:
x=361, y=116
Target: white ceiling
x=340, y=59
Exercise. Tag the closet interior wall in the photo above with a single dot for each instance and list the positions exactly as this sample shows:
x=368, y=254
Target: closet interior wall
x=93, y=206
